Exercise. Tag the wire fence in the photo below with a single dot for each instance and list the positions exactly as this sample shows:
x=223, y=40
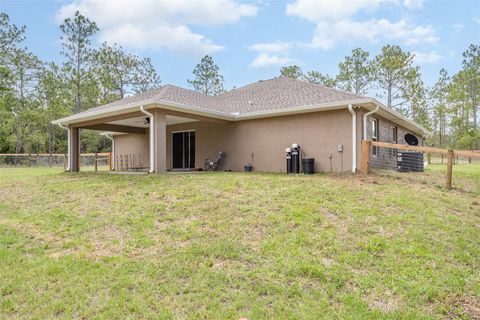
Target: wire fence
x=88, y=161
x=405, y=158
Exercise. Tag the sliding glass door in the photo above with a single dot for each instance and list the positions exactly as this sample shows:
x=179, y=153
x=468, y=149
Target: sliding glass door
x=183, y=150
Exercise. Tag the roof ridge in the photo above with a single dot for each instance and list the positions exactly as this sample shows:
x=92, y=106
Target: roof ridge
x=190, y=90
x=247, y=85
x=162, y=91
x=327, y=88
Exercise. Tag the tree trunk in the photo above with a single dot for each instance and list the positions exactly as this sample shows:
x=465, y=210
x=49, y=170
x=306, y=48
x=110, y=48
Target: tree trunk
x=474, y=112
x=389, y=96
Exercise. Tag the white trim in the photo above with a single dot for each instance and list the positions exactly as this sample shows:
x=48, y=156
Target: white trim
x=168, y=105
x=301, y=109
x=354, y=138
x=152, y=138
x=93, y=114
x=376, y=128
x=365, y=120
x=183, y=131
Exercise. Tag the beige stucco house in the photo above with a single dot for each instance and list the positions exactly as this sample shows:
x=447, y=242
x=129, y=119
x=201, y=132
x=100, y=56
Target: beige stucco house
x=172, y=128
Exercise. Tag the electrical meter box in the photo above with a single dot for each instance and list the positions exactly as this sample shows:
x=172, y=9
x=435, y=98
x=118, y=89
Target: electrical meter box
x=340, y=147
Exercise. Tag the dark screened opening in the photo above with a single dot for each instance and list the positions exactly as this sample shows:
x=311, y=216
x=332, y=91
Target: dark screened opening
x=183, y=150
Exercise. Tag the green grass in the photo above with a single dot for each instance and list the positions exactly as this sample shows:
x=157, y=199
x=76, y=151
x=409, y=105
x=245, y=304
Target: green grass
x=231, y=245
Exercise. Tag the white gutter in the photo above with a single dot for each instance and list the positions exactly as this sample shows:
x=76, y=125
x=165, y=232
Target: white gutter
x=365, y=116
x=152, y=145
x=68, y=144
x=113, y=149
x=354, y=138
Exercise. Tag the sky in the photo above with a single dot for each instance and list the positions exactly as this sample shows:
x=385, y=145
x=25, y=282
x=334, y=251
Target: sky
x=252, y=40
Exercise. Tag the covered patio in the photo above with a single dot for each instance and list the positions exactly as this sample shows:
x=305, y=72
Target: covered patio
x=149, y=125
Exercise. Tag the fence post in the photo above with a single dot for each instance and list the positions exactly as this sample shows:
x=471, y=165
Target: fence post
x=95, y=160
x=365, y=157
x=65, y=162
x=50, y=160
x=429, y=158
x=36, y=160
x=110, y=160
x=29, y=159
x=449, y=169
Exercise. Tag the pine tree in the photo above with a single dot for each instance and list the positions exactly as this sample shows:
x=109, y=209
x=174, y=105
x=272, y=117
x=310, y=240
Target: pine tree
x=207, y=78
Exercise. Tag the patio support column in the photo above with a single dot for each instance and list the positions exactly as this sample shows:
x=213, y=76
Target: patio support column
x=160, y=140
x=74, y=156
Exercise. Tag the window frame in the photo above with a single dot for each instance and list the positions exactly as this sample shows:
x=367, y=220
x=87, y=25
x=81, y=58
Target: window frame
x=395, y=135
x=374, y=134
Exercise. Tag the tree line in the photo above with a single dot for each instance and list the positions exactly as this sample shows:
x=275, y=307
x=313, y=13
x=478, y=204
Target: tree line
x=448, y=109
x=34, y=92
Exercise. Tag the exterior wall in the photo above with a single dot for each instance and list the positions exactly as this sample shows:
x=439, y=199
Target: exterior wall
x=387, y=158
x=262, y=142
x=134, y=147
x=210, y=138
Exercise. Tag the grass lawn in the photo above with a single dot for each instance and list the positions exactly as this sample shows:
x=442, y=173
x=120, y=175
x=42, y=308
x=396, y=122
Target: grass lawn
x=231, y=245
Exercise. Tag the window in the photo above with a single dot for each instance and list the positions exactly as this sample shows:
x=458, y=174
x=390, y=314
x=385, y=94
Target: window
x=393, y=152
x=394, y=135
x=375, y=136
x=183, y=149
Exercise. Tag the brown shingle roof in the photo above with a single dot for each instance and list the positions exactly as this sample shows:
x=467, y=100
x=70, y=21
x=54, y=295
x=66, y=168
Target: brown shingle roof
x=280, y=93
x=274, y=94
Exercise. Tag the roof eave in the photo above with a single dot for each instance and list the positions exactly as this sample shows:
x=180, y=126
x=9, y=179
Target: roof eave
x=302, y=109
x=169, y=105
x=409, y=124
x=133, y=106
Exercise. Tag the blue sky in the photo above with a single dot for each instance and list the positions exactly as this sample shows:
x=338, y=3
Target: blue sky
x=252, y=40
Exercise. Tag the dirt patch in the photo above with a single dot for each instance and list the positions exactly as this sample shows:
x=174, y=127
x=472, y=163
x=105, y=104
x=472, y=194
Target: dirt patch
x=466, y=306
x=387, y=302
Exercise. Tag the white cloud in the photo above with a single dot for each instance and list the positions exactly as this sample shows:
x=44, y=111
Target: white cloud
x=159, y=24
x=335, y=20
x=278, y=46
x=178, y=38
x=476, y=20
x=457, y=28
x=267, y=60
x=413, y=4
x=328, y=34
x=330, y=10
x=427, y=57
x=272, y=54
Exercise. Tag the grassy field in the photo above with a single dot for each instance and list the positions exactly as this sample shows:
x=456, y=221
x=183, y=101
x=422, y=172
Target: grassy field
x=232, y=245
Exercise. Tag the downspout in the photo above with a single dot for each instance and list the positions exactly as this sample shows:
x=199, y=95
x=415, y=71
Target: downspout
x=152, y=145
x=113, y=149
x=365, y=118
x=354, y=138
x=68, y=144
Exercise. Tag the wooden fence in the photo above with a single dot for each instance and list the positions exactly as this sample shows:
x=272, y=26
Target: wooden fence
x=34, y=157
x=366, y=150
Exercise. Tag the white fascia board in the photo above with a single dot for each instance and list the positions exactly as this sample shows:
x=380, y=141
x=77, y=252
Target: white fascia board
x=132, y=107
x=168, y=105
x=409, y=124
x=111, y=133
x=302, y=109
x=95, y=114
